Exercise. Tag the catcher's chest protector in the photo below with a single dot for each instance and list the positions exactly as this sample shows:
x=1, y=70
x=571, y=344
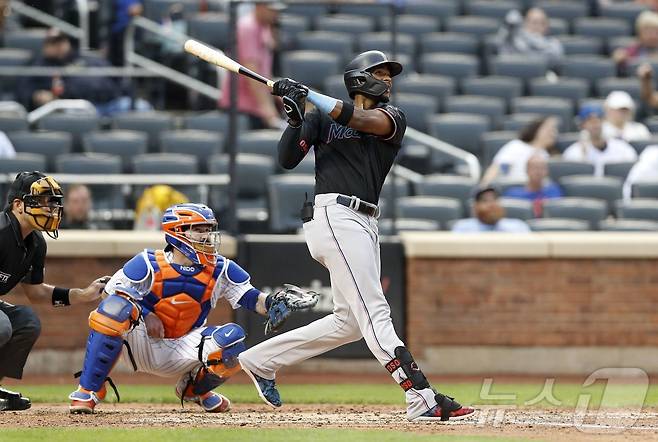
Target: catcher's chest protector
x=180, y=295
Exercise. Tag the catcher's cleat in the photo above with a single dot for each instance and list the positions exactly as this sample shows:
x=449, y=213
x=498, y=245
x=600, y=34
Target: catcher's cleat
x=446, y=408
x=13, y=401
x=266, y=389
x=84, y=401
x=214, y=402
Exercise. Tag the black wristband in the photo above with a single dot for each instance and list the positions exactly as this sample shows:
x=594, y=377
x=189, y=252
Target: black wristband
x=346, y=112
x=61, y=297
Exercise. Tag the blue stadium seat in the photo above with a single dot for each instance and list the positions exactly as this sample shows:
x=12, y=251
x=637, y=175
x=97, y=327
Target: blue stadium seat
x=262, y=142
x=477, y=26
x=152, y=123
x=434, y=208
x=646, y=189
x=638, y=208
x=438, y=86
x=517, y=208
x=417, y=109
x=333, y=42
x=334, y=86
x=496, y=10
x=30, y=39
x=572, y=89
x=560, y=107
x=601, y=27
x=448, y=186
x=458, y=66
x=123, y=143
x=589, y=67
x=631, y=85
x=75, y=123
x=23, y=161
x=558, y=169
x=346, y=24
x=619, y=170
x=105, y=196
x=517, y=121
x=491, y=107
x=461, y=130
x=209, y=27
x=50, y=144
x=13, y=122
x=519, y=66
x=587, y=209
x=581, y=45
x=200, y=143
x=557, y=225
x=629, y=225
x=440, y=10
x=310, y=67
x=506, y=88
x=286, y=194
x=386, y=227
x=608, y=189
x=453, y=42
x=382, y=41
x=493, y=141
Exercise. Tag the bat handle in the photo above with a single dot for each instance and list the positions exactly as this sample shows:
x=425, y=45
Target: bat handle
x=270, y=83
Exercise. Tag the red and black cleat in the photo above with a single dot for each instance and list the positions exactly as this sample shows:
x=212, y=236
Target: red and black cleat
x=446, y=408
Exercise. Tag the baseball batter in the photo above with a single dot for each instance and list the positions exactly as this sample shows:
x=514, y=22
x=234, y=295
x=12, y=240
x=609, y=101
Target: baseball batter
x=355, y=146
x=157, y=306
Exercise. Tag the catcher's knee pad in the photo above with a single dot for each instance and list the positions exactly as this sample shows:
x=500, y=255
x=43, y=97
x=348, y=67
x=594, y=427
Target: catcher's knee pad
x=415, y=377
x=227, y=342
x=114, y=316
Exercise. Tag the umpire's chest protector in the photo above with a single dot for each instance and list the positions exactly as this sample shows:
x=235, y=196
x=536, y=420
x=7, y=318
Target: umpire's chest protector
x=180, y=296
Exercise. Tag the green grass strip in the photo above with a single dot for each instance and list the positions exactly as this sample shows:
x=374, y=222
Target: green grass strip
x=230, y=434
x=565, y=394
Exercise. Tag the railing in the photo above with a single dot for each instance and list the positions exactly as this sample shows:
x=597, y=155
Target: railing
x=57, y=105
x=81, y=33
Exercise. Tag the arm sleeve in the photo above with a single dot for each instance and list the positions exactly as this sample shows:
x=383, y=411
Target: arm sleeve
x=399, y=121
x=35, y=275
x=296, y=142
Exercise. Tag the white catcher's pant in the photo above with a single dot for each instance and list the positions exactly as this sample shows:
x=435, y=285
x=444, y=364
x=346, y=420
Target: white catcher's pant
x=346, y=242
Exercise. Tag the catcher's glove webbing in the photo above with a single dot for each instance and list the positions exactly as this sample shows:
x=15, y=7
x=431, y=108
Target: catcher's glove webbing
x=281, y=304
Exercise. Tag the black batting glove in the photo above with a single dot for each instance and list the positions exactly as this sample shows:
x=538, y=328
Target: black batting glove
x=283, y=87
x=294, y=105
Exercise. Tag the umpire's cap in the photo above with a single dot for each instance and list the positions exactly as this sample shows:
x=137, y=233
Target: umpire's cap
x=22, y=185
x=358, y=77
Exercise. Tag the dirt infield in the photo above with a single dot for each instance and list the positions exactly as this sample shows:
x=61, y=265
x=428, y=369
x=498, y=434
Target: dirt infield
x=533, y=424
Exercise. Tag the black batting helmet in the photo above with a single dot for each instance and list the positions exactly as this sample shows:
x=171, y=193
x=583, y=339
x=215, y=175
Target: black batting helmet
x=359, y=79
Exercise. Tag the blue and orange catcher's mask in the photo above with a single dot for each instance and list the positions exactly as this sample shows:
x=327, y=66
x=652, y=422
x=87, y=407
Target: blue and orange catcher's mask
x=192, y=229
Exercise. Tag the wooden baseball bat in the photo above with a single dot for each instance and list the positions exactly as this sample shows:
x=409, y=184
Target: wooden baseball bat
x=216, y=57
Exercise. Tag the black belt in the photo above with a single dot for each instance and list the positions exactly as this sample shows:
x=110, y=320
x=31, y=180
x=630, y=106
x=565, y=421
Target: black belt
x=362, y=206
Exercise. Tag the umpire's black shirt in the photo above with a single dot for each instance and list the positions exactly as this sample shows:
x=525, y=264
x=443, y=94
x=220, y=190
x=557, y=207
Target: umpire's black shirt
x=346, y=161
x=20, y=260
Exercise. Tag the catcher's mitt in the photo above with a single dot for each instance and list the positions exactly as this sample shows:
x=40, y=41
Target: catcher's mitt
x=282, y=303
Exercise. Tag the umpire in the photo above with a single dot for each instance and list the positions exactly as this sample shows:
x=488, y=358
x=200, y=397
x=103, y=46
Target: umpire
x=34, y=205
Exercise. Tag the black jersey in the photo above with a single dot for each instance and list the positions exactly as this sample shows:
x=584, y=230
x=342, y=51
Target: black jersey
x=346, y=161
x=20, y=260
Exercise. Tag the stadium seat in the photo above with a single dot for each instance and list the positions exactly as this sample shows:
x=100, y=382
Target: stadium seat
x=416, y=26
x=448, y=186
x=497, y=10
x=291, y=26
x=615, y=43
x=253, y=172
x=566, y=139
x=309, y=11
x=50, y=144
x=618, y=170
x=517, y=208
x=333, y=42
x=458, y=66
x=262, y=142
x=558, y=168
x=14, y=57
x=645, y=189
x=474, y=25
x=572, y=89
x=150, y=122
x=123, y=143
x=587, y=209
x=519, y=66
x=491, y=107
x=461, y=130
x=589, y=67
x=286, y=194
x=157, y=10
x=440, y=10
x=371, y=10
x=382, y=41
x=565, y=10
x=651, y=123
x=30, y=39
x=310, y=67
x=438, y=86
x=517, y=121
x=200, y=143
x=386, y=196
x=451, y=42
x=638, y=208
x=506, y=88
x=629, y=225
x=631, y=85
x=334, y=86
x=386, y=227
x=604, y=188
x=209, y=27
x=581, y=45
x=434, y=208
x=493, y=141
x=601, y=27
x=560, y=107
x=13, y=122
x=417, y=109
x=105, y=196
x=346, y=24
x=23, y=161
x=558, y=26
x=214, y=121
x=305, y=167
x=75, y=123
x=639, y=145
x=557, y=225
x=168, y=163
x=503, y=184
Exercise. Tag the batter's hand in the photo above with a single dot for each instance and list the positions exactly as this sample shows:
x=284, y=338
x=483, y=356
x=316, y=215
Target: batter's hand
x=283, y=87
x=294, y=105
x=154, y=326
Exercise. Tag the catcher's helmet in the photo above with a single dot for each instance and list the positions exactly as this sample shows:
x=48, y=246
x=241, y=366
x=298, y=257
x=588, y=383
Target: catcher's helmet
x=201, y=247
x=359, y=79
x=43, y=199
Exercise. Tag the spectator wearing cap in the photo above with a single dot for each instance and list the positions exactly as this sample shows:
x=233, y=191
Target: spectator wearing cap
x=534, y=139
x=619, y=114
x=104, y=92
x=489, y=215
x=646, y=46
x=593, y=147
x=537, y=188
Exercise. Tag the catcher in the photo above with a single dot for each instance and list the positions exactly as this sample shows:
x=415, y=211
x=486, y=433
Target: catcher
x=157, y=305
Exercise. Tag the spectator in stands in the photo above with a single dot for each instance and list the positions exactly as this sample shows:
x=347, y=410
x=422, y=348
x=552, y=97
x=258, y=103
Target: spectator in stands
x=593, y=146
x=646, y=46
x=152, y=204
x=124, y=11
x=648, y=91
x=104, y=92
x=529, y=36
x=646, y=169
x=511, y=160
x=651, y=4
x=6, y=148
x=619, y=114
x=255, y=46
x=489, y=215
x=536, y=189
x=77, y=208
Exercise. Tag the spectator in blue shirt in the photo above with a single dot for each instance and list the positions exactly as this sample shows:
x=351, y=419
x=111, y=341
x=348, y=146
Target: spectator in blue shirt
x=537, y=188
x=124, y=11
x=489, y=216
